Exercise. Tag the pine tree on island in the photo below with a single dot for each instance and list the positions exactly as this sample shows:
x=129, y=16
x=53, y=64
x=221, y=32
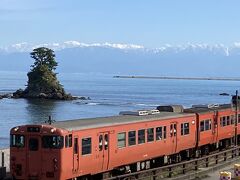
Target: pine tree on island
x=42, y=80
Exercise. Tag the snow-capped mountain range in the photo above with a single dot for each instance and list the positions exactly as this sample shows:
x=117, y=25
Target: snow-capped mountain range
x=28, y=47
x=194, y=60
x=216, y=48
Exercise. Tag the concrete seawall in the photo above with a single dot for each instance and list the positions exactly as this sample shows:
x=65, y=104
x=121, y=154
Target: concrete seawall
x=6, y=158
x=180, y=78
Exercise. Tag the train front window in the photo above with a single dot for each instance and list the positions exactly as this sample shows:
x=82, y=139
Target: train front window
x=54, y=142
x=33, y=144
x=17, y=141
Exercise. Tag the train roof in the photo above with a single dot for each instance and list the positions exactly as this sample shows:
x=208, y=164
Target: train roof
x=207, y=108
x=88, y=123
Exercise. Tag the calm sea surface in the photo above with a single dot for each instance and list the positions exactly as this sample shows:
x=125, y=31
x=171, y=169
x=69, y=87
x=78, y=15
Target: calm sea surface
x=108, y=96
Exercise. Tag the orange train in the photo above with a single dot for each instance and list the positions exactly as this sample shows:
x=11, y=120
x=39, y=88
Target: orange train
x=99, y=147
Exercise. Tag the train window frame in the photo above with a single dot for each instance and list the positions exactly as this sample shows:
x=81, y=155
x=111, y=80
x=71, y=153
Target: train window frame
x=150, y=135
x=70, y=140
x=66, y=141
x=106, y=140
x=33, y=144
x=159, y=133
x=59, y=141
x=173, y=130
x=228, y=120
x=121, y=141
x=141, y=136
x=224, y=121
x=202, y=126
x=207, y=124
x=185, y=130
x=164, y=132
x=100, y=142
x=18, y=144
x=132, y=139
x=76, y=147
x=232, y=117
x=86, y=148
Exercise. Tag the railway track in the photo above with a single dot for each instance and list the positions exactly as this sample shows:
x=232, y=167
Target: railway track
x=191, y=169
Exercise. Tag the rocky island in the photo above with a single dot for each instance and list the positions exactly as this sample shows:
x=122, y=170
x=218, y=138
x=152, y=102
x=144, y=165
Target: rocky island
x=42, y=80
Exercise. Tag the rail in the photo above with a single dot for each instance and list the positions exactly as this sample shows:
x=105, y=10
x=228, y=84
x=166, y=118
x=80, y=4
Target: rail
x=174, y=170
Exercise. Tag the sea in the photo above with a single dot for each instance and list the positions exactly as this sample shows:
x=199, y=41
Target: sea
x=108, y=96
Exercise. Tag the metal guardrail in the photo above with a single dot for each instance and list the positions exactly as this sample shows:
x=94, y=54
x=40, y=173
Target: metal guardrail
x=183, y=167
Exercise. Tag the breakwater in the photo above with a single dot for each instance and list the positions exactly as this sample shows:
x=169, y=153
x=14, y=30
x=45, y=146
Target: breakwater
x=180, y=78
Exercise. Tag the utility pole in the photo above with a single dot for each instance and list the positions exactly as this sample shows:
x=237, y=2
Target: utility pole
x=50, y=120
x=236, y=119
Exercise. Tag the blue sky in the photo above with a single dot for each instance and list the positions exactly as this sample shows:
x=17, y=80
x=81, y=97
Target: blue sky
x=151, y=23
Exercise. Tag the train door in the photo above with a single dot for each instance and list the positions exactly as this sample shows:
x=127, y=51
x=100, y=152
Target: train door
x=34, y=156
x=214, y=126
x=75, y=154
x=173, y=135
x=103, y=150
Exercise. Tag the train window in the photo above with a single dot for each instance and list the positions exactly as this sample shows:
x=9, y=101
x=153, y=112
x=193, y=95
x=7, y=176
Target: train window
x=150, y=134
x=33, y=144
x=232, y=119
x=131, y=138
x=228, y=120
x=122, y=140
x=33, y=129
x=100, y=142
x=202, y=126
x=207, y=124
x=238, y=118
x=66, y=141
x=86, y=146
x=159, y=133
x=17, y=141
x=75, y=146
x=70, y=140
x=224, y=121
x=106, y=141
x=221, y=121
x=54, y=142
x=173, y=130
x=164, y=132
x=141, y=136
x=184, y=128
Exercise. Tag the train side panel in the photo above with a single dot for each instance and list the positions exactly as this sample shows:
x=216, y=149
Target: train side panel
x=109, y=151
x=226, y=124
x=207, y=129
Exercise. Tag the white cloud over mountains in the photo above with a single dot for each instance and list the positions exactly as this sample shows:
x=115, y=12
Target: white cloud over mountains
x=189, y=47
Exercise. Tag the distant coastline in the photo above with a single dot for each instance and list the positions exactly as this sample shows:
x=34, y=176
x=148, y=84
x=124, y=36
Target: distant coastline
x=179, y=78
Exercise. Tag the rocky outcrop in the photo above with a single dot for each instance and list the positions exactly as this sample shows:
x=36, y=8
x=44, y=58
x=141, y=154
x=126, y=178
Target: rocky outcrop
x=8, y=95
x=20, y=93
x=42, y=80
x=42, y=95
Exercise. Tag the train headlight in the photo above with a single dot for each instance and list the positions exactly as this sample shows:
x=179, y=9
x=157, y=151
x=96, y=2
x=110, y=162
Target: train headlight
x=53, y=130
x=16, y=129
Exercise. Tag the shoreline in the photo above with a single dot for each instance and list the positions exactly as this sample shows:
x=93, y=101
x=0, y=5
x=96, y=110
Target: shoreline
x=178, y=78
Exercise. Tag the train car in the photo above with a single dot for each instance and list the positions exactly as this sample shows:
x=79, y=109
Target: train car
x=216, y=127
x=90, y=147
